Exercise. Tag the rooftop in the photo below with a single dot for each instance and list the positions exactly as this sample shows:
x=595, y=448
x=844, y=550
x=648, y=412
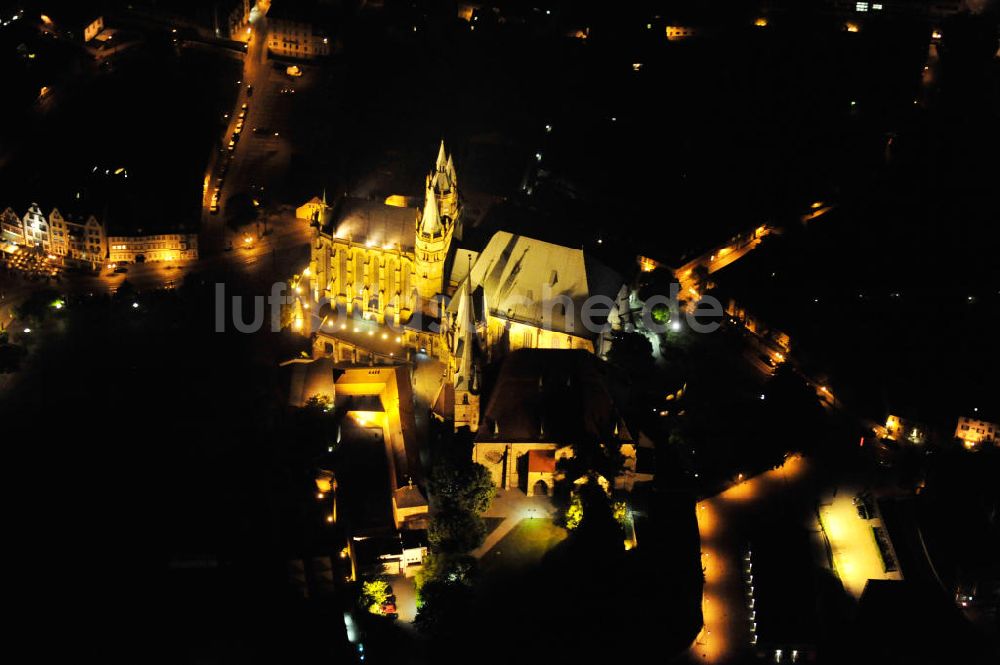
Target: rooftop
x=529, y=280
x=541, y=461
x=373, y=223
x=552, y=395
x=410, y=496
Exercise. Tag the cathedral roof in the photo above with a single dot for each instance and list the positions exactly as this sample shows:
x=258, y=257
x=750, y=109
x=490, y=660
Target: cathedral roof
x=373, y=222
x=528, y=280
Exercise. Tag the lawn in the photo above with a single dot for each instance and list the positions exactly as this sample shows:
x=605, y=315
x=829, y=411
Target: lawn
x=524, y=546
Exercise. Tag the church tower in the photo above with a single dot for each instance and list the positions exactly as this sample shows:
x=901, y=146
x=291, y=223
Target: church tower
x=463, y=364
x=436, y=226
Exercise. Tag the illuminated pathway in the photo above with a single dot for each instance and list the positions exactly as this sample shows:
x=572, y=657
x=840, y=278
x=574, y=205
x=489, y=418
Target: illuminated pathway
x=722, y=519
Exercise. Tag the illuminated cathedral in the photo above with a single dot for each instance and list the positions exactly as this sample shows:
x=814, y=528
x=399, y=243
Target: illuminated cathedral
x=386, y=263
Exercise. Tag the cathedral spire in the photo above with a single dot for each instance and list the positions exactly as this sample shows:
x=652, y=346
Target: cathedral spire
x=442, y=158
x=430, y=222
x=465, y=338
x=449, y=170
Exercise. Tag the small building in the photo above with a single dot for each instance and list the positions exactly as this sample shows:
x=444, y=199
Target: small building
x=677, y=32
x=972, y=432
x=389, y=554
x=902, y=430
x=315, y=210
x=409, y=507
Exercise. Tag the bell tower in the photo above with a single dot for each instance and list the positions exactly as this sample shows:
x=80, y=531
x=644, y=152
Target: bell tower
x=436, y=226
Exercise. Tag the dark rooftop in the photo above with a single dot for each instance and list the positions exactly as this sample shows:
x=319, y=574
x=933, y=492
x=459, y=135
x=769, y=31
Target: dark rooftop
x=552, y=395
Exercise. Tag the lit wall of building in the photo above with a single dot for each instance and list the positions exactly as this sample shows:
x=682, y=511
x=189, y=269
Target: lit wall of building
x=162, y=247
x=374, y=281
x=973, y=432
x=291, y=38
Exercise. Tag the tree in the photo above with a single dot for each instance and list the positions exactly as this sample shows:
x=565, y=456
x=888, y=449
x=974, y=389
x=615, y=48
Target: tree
x=463, y=486
x=445, y=568
x=37, y=306
x=661, y=314
x=456, y=531
x=574, y=514
x=632, y=352
x=373, y=594
x=443, y=607
x=319, y=403
x=656, y=283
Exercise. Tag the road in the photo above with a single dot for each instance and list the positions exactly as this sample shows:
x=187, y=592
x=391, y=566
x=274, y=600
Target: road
x=284, y=250
x=262, y=156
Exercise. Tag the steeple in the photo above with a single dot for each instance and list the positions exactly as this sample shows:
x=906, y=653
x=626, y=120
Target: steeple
x=466, y=370
x=449, y=169
x=430, y=221
x=442, y=158
x=435, y=227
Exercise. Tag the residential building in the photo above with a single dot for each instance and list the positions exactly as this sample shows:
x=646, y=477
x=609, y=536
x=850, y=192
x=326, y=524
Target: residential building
x=294, y=30
x=36, y=228
x=972, y=432
x=11, y=227
x=79, y=239
x=903, y=430
x=157, y=247
x=70, y=232
x=232, y=18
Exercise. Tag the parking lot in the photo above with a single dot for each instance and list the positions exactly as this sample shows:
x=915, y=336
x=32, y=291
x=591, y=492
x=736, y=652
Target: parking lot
x=856, y=557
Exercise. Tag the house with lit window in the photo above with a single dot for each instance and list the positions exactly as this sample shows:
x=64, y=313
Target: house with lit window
x=902, y=430
x=972, y=432
x=72, y=232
